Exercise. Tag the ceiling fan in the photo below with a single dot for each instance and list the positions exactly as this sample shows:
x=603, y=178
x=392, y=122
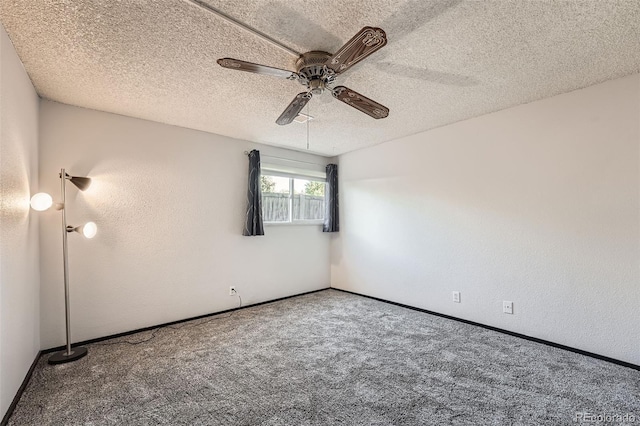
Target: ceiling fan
x=317, y=71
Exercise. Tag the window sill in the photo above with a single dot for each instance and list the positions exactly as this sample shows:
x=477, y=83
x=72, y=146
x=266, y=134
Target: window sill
x=297, y=223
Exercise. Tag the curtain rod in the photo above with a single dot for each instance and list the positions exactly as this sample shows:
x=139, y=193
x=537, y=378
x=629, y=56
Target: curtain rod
x=288, y=159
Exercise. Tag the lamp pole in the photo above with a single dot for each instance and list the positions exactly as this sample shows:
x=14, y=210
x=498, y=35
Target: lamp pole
x=65, y=257
x=78, y=352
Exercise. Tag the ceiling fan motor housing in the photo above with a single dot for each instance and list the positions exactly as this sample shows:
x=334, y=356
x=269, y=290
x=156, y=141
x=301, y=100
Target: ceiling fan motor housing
x=312, y=71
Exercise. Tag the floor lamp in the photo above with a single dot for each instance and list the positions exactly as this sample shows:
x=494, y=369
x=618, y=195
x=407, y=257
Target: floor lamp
x=43, y=201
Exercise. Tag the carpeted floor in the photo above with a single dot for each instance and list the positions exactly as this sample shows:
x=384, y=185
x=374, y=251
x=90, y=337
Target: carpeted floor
x=326, y=358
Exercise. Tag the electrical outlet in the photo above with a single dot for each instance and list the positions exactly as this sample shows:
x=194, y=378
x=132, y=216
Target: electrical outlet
x=232, y=291
x=456, y=296
x=507, y=307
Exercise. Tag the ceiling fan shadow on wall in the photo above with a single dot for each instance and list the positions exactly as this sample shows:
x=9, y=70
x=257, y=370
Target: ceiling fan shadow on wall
x=318, y=70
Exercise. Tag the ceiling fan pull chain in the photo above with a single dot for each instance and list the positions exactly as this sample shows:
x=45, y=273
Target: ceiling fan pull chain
x=308, y=119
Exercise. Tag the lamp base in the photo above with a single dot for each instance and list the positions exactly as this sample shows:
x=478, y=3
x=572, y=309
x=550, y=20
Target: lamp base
x=62, y=356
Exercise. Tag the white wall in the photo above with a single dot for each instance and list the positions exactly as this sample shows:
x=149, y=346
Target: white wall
x=169, y=204
x=537, y=204
x=19, y=277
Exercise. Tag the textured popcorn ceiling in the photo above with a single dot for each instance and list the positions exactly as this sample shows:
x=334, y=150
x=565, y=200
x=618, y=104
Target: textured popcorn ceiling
x=445, y=61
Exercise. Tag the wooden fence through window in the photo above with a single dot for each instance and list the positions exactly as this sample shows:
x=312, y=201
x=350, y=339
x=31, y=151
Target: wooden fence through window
x=275, y=207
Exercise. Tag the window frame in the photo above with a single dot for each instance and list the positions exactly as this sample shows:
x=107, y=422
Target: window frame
x=291, y=177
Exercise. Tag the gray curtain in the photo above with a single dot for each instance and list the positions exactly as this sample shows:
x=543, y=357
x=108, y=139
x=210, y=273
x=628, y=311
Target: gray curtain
x=253, y=220
x=331, y=222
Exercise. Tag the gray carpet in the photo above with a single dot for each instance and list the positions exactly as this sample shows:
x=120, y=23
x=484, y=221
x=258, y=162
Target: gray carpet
x=322, y=359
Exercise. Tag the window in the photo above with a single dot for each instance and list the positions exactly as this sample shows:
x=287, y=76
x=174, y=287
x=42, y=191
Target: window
x=288, y=199
x=308, y=199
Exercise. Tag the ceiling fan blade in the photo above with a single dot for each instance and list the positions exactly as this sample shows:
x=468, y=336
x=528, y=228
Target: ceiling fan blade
x=294, y=108
x=236, y=64
x=363, y=44
x=361, y=103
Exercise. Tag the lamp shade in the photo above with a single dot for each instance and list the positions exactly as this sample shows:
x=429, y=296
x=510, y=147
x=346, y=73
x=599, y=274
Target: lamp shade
x=81, y=182
x=89, y=230
x=41, y=201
